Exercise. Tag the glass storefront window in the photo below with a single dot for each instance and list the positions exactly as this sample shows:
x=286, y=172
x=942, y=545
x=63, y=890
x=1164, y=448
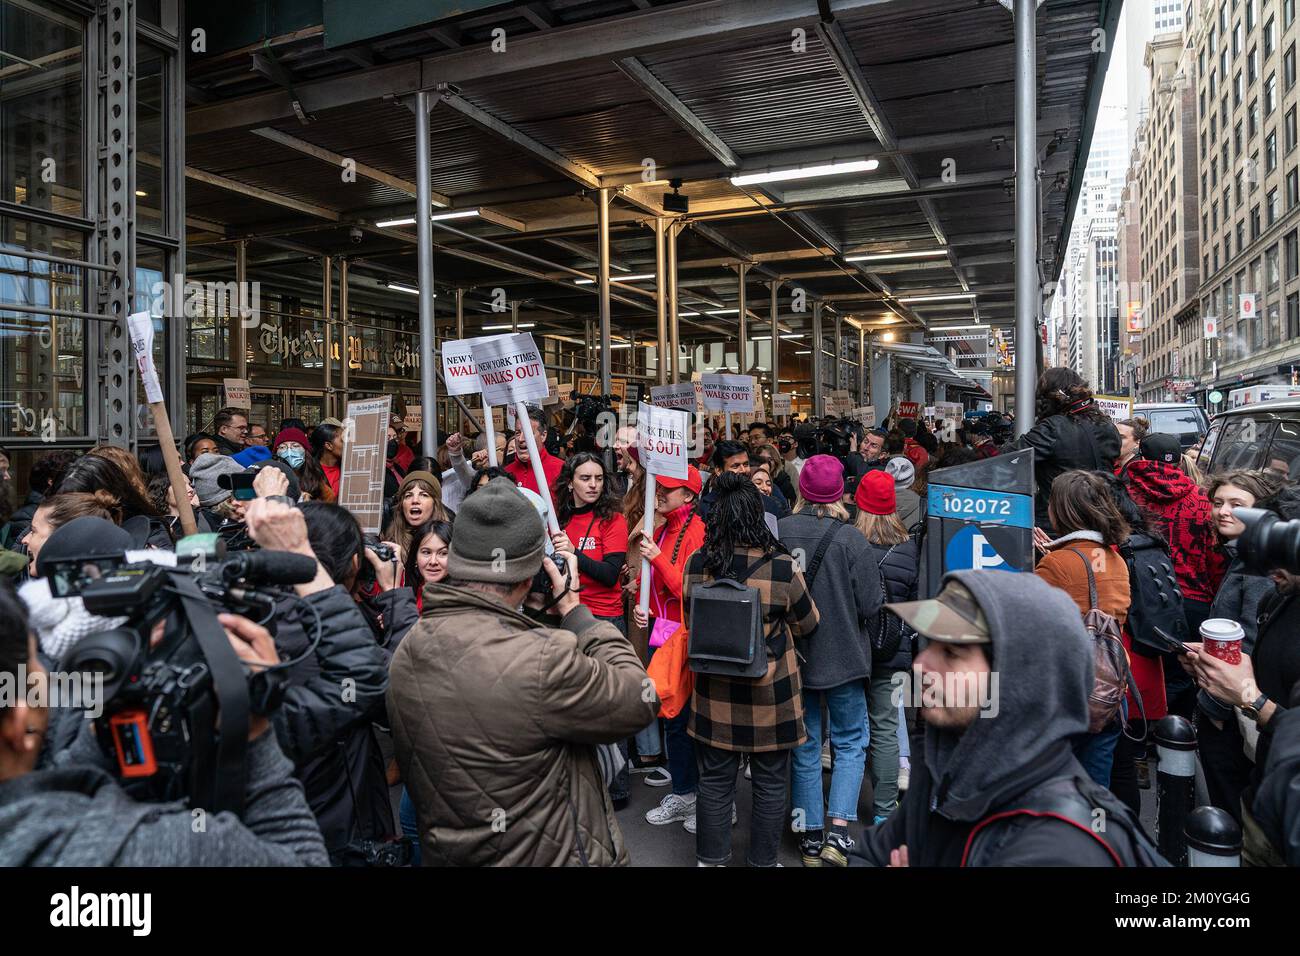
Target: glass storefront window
x=150, y=138
x=41, y=357
x=41, y=122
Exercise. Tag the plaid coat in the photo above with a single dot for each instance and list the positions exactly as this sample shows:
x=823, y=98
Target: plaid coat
x=765, y=713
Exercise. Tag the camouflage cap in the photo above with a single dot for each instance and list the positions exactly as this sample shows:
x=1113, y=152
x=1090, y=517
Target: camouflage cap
x=954, y=616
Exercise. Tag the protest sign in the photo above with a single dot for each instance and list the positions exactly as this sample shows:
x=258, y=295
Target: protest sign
x=782, y=404
x=728, y=393
x=237, y=393
x=458, y=370
x=361, y=484
x=140, y=328
x=1116, y=407
x=510, y=368
x=682, y=396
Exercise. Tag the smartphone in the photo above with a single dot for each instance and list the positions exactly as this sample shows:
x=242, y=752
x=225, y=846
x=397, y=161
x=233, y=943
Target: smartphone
x=1171, y=644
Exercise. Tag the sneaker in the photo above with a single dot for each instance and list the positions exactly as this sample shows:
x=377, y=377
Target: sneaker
x=640, y=764
x=835, y=851
x=689, y=824
x=810, y=849
x=904, y=777
x=671, y=809
x=658, y=777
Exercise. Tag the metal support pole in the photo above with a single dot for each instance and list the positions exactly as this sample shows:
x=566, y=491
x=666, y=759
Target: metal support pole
x=1027, y=303
x=240, y=337
x=327, y=317
x=742, y=346
x=816, y=355
x=424, y=239
x=514, y=316
x=864, y=397
x=674, y=347
x=603, y=197
x=776, y=336
x=661, y=301
x=460, y=313
x=839, y=350
x=345, y=337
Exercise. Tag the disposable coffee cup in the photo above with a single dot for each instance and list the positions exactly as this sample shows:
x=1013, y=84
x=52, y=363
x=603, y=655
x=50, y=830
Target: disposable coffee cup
x=1222, y=639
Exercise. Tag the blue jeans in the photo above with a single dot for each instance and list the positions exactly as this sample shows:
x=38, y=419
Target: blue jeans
x=410, y=825
x=1097, y=752
x=847, y=707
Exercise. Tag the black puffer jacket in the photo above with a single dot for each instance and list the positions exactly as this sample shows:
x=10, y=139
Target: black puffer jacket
x=899, y=567
x=324, y=724
x=1065, y=442
x=1238, y=599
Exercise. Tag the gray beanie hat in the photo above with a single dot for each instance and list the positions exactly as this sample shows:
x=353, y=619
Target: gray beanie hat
x=903, y=470
x=500, y=537
x=204, y=473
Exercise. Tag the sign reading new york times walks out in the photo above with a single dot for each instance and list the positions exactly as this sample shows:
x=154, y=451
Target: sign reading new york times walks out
x=510, y=368
x=361, y=481
x=458, y=369
x=661, y=437
x=681, y=395
x=728, y=393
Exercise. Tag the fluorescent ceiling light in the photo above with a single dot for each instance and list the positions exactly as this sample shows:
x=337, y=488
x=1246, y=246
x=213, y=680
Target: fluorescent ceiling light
x=946, y=297
x=636, y=278
x=509, y=328
x=141, y=192
x=795, y=335
x=723, y=312
x=886, y=256
x=621, y=345
x=400, y=287
x=436, y=217
x=953, y=328
x=805, y=352
x=806, y=172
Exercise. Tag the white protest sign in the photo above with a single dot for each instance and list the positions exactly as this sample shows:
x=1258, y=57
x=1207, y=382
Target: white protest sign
x=930, y=411
x=782, y=404
x=728, y=393
x=1116, y=407
x=841, y=402
x=140, y=327
x=458, y=369
x=866, y=414
x=237, y=393
x=661, y=439
x=510, y=368
x=681, y=395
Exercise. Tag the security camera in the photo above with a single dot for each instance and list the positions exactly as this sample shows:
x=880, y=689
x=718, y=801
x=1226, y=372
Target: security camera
x=355, y=234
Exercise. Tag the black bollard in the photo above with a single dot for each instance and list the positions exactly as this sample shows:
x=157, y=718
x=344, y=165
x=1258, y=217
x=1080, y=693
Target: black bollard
x=1213, y=838
x=1175, y=782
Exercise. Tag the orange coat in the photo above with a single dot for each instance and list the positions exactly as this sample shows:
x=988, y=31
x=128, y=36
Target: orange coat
x=1060, y=568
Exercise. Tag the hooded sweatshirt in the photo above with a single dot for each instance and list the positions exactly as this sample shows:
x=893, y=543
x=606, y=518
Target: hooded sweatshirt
x=1015, y=745
x=1179, y=507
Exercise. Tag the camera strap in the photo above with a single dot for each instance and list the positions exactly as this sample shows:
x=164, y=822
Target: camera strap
x=231, y=686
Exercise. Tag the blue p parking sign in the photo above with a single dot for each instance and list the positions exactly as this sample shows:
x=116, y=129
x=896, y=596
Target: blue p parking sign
x=969, y=549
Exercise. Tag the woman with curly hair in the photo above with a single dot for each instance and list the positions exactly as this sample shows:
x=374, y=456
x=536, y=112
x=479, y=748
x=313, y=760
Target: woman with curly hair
x=762, y=716
x=1070, y=432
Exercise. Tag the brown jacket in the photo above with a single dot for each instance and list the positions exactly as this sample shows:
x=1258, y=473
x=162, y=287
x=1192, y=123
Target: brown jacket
x=493, y=720
x=1062, y=569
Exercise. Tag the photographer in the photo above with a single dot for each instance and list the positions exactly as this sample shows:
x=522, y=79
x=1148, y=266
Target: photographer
x=511, y=785
x=871, y=456
x=324, y=723
x=78, y=815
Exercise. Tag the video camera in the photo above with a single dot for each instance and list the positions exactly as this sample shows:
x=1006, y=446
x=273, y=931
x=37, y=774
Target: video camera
x=831, y=437
x=588, y=412
x=175, y=709
x=1268, y=543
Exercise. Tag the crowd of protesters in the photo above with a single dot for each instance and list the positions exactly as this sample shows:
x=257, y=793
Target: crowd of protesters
x=507, y=690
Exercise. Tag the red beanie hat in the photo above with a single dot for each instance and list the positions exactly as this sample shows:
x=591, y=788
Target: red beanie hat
x=875, y=494
x=291, y=434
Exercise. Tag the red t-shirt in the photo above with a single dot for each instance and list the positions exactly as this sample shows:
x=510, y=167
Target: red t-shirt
x=596, y=539
x=332, y=475
x=523, y=474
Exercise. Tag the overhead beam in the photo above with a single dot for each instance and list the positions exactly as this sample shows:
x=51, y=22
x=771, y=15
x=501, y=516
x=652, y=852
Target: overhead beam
x=575, y=171
x=252, y=192
x=338, y=159
x=667, y=101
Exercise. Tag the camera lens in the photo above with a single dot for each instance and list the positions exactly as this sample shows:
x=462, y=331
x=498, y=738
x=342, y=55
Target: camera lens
x=110, y=655
x=1268, y=543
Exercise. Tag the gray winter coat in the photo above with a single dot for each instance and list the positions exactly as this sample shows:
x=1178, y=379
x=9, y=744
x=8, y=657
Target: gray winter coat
x=1237, y=599
x=846, y=590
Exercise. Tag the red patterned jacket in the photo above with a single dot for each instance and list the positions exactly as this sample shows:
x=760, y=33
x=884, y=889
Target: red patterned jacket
x=1179, y=507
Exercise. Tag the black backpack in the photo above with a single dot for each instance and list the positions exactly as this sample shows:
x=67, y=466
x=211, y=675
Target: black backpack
x=1156, y=600
x=727, y=637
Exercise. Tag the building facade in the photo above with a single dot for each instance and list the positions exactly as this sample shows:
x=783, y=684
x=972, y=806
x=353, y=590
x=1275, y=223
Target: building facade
x=1249, y=181
x=1168, y=229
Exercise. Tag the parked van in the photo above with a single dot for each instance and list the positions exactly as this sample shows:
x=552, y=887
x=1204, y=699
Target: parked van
x=1258, y=435
x=1188, y=422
